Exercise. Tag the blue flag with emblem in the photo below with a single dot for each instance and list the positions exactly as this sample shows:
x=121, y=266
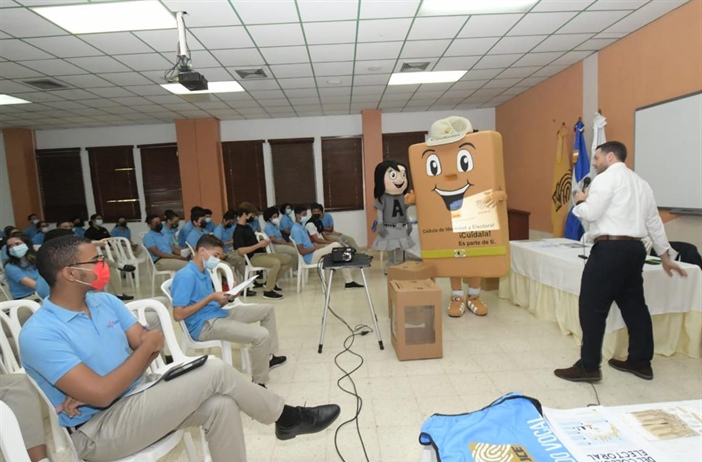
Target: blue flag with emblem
x=581, y=167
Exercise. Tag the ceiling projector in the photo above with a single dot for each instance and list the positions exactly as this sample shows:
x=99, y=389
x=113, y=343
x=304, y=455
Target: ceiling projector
x=192, y=80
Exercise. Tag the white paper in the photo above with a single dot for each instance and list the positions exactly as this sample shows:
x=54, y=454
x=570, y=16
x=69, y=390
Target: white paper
x=475, y=215
x=665, y=422
x=242, y=286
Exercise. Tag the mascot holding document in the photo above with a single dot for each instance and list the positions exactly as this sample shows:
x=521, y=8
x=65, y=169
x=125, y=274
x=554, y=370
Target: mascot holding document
x=459, y=190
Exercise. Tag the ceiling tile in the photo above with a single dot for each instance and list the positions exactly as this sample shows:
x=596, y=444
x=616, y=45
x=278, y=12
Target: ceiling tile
x=146, y=62
x=118, y=43
x=531, y=81
x=596, y=44
x=331, y=81
x=17, y=50
x=497, y=61
x=166, y=41
x=65, y=46
x=37, y=97
x=489, y=25
x=423, y=48
x=274, y=11
x=319, y=33
x=468, y=84
x=502, y=83
x=99, y=103
x=389, y=8
x=374, y=79
x=200, y=59
x=481, y=74
x=8, y=4
x=147, y=90
x=334, y=91
x=456, y=63
x=571, y=58
x=84, y=81
x=100, y=64
x=217, y=74
x=428, y=28
x=617, y=4
x=301, y=93
x=331, y=69
x=285, y=55
x=53, y=67
x=541, y=23
x=135, y=101
x=323, y=10
x=371, y=67
x=216, y=38
x=306, y=82
x=326, y=53
x=368, y=90
x=644, y=15
x=125, y=78
x=76, y=94
x=291, y=70
x=561, y=5
x=516, y=44
x=263, y=84
x=271, y=35
x=537, y=59
x=111, y=92
x=592, y=21
x=548, y=71
x=561, y=42
x=383, y=30
x=516, y=90
x=239, y=58
x=379, y=50
x=518, y=72
x=200, y=13
x=22, y=22
x=212, y=105
x=471, y=46
x=9, y=87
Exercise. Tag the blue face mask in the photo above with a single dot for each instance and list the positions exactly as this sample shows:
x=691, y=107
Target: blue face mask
x=211, y=263
x=19, y=251
x=208, y=219
x=304, y=219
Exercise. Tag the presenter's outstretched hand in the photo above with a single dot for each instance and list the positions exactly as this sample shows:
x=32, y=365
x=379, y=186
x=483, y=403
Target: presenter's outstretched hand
x=669, y=266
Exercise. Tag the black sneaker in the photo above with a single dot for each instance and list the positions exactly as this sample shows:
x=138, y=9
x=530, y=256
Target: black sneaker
x=277, y=289
x=312, y=420
x=125, y=297
x=276, y=361
x=270, y=295
x=250, y=293
x=353, y=285
x=258, y=285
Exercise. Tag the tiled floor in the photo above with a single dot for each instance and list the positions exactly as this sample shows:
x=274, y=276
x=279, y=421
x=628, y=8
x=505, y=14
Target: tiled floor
x=484, y=358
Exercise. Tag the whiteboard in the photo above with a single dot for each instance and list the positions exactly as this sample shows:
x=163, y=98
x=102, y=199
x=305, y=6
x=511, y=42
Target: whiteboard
x=668, y=151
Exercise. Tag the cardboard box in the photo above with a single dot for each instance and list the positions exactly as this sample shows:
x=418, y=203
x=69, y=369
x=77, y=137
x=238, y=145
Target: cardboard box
x=415, y=319
x=410, y=270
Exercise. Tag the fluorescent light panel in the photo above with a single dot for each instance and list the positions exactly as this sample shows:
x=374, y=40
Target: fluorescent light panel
x=475, y=6
x=413, y=78
x=110, y=17
x=7, y=99
x=212, y=87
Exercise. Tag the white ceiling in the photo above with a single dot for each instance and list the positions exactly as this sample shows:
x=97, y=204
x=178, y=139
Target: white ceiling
x=305, y=47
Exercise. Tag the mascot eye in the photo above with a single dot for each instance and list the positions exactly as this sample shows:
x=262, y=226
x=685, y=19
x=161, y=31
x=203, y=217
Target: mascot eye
x=393, y=175
x=433, y=165
x=404, y=174
x=464, y=161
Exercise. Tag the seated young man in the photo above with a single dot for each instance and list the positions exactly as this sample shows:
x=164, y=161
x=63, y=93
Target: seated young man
x=86, y=350
x=327, y=223
x=225, y=232
x=196, y=303
x=287, y=218
x=312, y=253
x=199, y=222
x=272, y=230
x=171, y=221
x=245, y=243
x=32, y=229
x=166, y=257
x=209, y=224
x=42, y=229
x=187, y=227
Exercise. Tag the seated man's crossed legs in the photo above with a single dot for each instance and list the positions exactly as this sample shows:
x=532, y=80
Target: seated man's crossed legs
x=277, y=264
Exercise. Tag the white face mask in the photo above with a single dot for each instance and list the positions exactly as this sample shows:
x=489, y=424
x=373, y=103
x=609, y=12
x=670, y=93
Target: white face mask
x=45, y=229
x=275, y=221
x=208, y=219
x=99, y=222
x=19, y=251
x=304, y=219
x=289, y=212
x=35, y=221
x=211, y=262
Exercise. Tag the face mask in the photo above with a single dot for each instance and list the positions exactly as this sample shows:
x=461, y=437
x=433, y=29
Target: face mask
x=102, y=273
x=19, y=251
x=158, y=227
x=317, y=215
x=289, y=212
x=122, y=225
x=275, y=221
x=201, y=223
x=228, y=225
x=208, y=219
x=175, y=225
x=211, y=263
x=99, y=222
x=251, y=219
x=35, y=221
x=304, y=219
x=45, y=229
x=78, y=224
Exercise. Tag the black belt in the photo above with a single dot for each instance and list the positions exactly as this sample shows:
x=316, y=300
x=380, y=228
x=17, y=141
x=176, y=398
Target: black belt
x=607, y=237
x=72, y=430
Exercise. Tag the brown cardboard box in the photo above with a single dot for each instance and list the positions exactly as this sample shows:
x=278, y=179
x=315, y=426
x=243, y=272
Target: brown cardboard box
x=415, y=319
x=410, y=270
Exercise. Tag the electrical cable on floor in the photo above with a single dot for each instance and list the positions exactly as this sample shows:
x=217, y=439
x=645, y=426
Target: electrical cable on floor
x=597, y=397
x=359, y=329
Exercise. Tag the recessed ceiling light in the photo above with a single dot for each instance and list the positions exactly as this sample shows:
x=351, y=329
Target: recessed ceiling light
x=374, y=68
x=7, y=99
x=334, y=82
x=475, y=6
x=413, y=78
x=110, y=17
x=212, y=87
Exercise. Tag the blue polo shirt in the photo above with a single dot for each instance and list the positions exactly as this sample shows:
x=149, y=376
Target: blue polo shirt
x=255, y=225
x=171, y=235
x=38, y=239
x=327, y=220
x=158, y=240
x=286, y=222
x=30, y=231
x=299, y=234
x=190, y=285
x=272, y=231
x=55, y=340
x=15, y=274
x=225, y=234
x=121, y=232
x=195, y=236
x=79, y=231
x=209, y=226
x=42, y=288
x=183, y=234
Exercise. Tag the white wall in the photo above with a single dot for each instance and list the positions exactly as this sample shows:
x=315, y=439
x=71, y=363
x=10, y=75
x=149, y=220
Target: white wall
x=106, y=136
x=7, y=214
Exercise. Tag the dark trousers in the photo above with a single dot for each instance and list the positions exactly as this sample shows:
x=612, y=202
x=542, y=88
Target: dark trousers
x=613, y=273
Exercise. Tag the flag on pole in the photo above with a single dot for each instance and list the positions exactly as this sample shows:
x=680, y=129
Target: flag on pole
x=598, y=127
x=573, y=229
x=562, y=183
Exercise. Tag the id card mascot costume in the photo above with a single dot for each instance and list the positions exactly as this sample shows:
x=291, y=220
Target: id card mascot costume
x=394, y=229
x=459, y=191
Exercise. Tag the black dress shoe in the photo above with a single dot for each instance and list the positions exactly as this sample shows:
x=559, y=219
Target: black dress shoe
x=353, y=285
x=125, y=297
x=312, y=420
x=576, y=373
x=127, y=268
x=645, y=373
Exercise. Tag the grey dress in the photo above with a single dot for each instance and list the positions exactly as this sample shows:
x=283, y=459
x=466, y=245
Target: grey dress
x=395, y=222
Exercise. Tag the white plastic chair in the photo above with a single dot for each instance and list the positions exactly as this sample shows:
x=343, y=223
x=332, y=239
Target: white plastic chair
x=261, y=236
x=11, y=441
x=154, y=272
x=3, y=284
x=186, y=341
x=302, y=267
x=249, y=269
x=122, y=249
x=142, y=234
x=12, y=309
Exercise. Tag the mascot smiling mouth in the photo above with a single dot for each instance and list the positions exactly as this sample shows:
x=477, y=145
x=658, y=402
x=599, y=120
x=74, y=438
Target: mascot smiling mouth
x=453, y=199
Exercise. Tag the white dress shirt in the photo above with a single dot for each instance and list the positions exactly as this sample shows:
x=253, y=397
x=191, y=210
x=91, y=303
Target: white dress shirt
x=620, y=203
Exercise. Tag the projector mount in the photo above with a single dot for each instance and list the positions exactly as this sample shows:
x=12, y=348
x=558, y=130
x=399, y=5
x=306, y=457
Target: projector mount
x=182, y=71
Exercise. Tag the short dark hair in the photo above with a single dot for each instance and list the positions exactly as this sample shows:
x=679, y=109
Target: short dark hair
x=207, y=211
x=230, y=215
x=58, y=232
x=299, y=208
x=170, y=214
x=284, y=206
x=57, y=254
x=150, y=217
x=197, y=207
x=29, y=217
x=208, y=241
x=615, y=147
x=58, y=223
x=246, y=207
x=197, y=214
x=317, y=205
x=269, y=212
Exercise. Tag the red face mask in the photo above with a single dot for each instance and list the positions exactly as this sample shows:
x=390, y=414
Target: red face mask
x=102, y=271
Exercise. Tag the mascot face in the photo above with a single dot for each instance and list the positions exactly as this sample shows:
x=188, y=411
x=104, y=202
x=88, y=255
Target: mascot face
x=449, y=171
x=395, y=181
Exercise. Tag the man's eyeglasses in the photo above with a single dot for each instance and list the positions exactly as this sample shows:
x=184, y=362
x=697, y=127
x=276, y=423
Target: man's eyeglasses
x=92, y=262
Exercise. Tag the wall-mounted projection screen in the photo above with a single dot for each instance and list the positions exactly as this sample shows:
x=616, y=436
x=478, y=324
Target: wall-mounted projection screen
x=668, y=151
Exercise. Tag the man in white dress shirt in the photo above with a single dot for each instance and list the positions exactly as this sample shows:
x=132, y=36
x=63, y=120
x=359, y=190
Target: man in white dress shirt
x=620, y=210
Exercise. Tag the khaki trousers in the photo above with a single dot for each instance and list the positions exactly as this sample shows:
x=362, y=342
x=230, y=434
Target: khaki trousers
x=169, y=264
x=239, y=327
x=319, y=253
x=18, y=393
x=287, y=250
x=275, y=263
x=237, y=262
x=212, y=397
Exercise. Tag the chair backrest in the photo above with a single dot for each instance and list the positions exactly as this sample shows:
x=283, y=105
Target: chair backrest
x=166, y=289
x=106, y=251
x=13, y=308
x=192, y=251
x=9, y=362
x=216, y=275
x=139, y=308
x=261, y=236
x=11, y=440
x=122, y=249
x=142, y=234
x=149, y=260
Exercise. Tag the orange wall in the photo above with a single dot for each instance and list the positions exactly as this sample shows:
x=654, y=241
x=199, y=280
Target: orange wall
x=372, y=156
x=528, y=124
x=22, y=173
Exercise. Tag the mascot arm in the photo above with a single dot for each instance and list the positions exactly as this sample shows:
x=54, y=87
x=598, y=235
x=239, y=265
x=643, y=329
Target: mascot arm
x=494, y=197
x=410, y=198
